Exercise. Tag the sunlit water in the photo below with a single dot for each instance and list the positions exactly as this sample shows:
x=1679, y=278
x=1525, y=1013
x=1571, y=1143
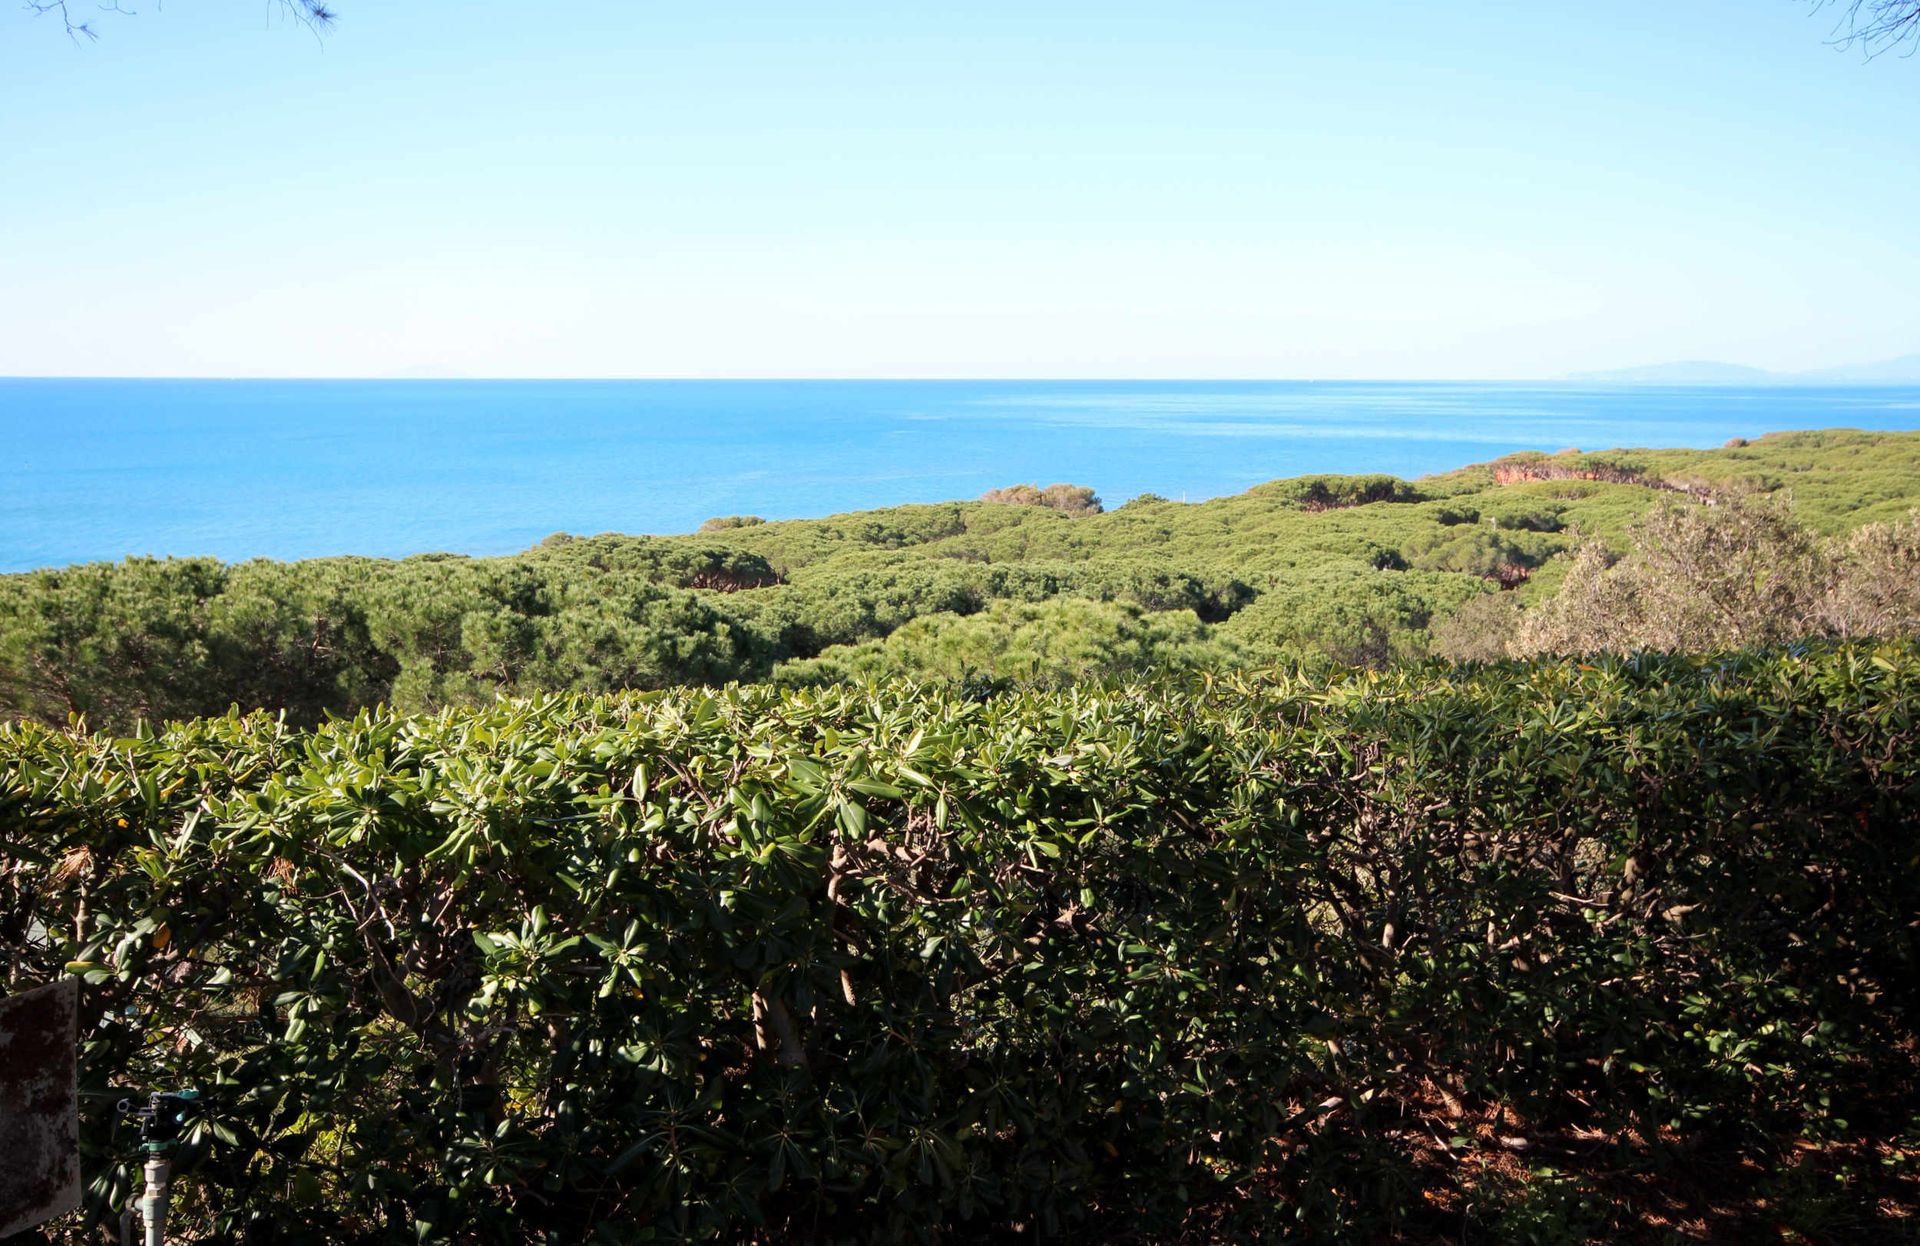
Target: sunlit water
x=293, y=469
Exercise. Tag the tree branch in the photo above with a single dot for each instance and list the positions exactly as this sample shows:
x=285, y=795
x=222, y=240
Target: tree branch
x=316, y=15
x=1877, y=26
x=74, y=29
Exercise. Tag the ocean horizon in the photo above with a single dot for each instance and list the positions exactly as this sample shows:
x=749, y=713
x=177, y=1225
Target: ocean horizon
x=238, y=469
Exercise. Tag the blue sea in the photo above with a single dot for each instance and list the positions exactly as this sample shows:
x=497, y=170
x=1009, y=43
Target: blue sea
x=297, y=469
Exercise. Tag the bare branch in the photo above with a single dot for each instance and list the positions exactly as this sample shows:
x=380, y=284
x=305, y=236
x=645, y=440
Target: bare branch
x=316, y=15
x=74, y=29
x=1877, y=26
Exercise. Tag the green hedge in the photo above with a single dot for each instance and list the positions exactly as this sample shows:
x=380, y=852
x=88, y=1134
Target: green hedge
x=897, y=964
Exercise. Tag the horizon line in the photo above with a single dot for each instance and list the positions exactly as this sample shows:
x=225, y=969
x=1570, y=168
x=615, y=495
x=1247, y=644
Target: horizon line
x=1595, y=377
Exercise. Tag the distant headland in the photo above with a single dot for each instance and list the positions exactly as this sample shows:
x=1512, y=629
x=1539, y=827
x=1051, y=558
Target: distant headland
x=1904, y=370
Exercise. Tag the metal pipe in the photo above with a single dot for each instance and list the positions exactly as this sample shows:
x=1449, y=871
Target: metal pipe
x=153, y=1201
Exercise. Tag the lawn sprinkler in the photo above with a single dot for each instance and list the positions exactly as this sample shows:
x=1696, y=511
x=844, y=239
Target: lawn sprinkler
x=160, y=1122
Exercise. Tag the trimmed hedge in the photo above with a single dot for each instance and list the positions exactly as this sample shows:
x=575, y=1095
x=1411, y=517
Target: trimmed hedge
x=896, y=964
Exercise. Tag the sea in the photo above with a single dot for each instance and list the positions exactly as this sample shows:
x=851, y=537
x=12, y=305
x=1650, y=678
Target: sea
x=102, y=469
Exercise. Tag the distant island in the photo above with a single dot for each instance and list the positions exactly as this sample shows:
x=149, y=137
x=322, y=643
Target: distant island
x=1904, y=370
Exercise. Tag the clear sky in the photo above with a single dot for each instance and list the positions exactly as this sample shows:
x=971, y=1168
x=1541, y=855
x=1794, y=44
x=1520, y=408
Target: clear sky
x=1017, y=188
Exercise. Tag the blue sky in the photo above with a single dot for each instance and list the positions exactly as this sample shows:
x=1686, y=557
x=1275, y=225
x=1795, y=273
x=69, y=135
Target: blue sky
x=1283, y=188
